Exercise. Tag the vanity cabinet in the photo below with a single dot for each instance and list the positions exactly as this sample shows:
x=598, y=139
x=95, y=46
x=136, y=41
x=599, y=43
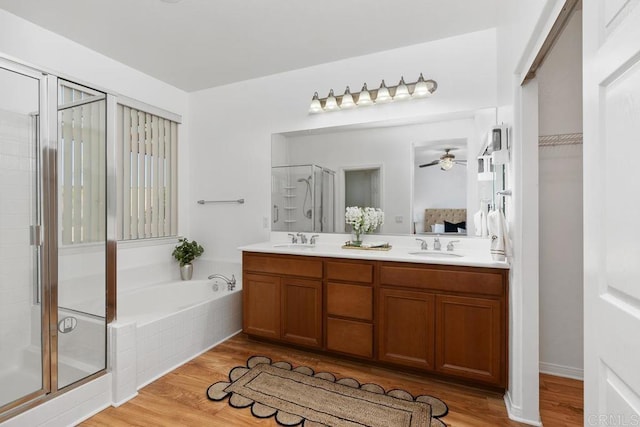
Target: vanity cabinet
x=406, y=328
x=282, y=299
x=450, y=320
x=469, y=337
x=443, y=319
x=349, y=307
x=261, y=301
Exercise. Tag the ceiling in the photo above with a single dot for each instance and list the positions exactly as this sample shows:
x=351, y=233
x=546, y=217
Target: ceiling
x=197, y=44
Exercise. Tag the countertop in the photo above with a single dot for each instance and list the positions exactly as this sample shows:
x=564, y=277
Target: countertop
x=474, y=252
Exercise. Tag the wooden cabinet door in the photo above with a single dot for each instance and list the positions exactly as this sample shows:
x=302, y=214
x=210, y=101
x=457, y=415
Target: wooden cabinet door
x=261, y=301
x=302, y=311
x=470, y=337
x=406, y=328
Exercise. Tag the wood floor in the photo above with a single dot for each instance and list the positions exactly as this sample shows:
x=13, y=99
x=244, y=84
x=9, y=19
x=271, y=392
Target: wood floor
x=178, y=398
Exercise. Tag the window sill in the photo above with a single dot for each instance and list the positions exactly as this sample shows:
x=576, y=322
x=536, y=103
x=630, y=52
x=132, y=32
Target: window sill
x=139, y=243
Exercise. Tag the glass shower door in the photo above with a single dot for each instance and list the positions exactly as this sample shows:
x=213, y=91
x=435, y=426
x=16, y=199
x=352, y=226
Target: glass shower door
x=81, y=314
x=21, y=317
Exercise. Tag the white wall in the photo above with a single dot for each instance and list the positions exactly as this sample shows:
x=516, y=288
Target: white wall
x=231, y=126
x=561, y=265
x=522, y=30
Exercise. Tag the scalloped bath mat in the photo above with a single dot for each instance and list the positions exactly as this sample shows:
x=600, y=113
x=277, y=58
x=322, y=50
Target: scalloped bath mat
x=301, y=397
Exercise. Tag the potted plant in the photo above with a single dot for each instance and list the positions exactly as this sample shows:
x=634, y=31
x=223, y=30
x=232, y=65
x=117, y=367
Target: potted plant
x=185, y=252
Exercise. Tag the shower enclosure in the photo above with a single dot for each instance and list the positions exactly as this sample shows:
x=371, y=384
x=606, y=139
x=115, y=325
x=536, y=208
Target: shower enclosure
x=303, y=198
x=53, y=236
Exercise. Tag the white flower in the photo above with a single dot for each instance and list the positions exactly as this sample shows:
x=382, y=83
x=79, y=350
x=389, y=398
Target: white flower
x=364, y=220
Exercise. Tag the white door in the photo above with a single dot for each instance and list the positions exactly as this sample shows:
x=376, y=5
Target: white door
x=612, y=211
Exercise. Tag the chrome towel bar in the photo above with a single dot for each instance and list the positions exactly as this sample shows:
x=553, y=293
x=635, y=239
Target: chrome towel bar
x=239, y=201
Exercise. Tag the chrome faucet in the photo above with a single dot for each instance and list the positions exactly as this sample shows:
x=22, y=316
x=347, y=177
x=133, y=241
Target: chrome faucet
x=423, y=244
x=450, y=244
x=303, y=238
x=231, y=283
x=294, y=239
x=436, y=243
x=314, y=238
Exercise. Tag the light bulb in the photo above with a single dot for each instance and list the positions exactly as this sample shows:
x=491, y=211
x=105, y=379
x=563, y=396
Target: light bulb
x=446, y=164
x=315, y=106
x=402, y=92
x=365, y=97
x=347, y=99
x=383, y=94
x=331, y=103
x=421, y=90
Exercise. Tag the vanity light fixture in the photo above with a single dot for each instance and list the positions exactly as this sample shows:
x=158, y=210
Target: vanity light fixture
x=315, y=106
x=331, y=103
x=383, y=94
x=364, y=98
x=347, y=100
x=403, y=91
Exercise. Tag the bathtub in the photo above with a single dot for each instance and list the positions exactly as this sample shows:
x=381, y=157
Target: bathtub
x=162, y=326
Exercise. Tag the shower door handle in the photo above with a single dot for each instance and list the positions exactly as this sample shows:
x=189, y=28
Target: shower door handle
x=35, y=235
x=276, y=214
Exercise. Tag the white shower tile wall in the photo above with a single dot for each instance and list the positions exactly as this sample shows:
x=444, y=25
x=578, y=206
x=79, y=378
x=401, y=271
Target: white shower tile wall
x=141, y=353
x=17, y=157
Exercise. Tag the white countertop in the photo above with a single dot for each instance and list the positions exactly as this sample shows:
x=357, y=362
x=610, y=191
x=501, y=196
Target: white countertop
x=474, y=252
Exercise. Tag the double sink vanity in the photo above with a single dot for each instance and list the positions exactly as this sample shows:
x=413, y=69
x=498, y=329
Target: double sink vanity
x=440, y=312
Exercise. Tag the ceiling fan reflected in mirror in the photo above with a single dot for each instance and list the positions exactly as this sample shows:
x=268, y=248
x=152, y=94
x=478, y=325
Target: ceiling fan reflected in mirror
x=446, y=161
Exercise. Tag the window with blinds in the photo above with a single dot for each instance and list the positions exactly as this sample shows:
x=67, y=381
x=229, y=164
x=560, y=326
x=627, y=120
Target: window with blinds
x=82, y=163
x=147, y=175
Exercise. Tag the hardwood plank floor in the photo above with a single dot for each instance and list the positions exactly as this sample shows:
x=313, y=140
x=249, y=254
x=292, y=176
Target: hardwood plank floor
x=178, y=398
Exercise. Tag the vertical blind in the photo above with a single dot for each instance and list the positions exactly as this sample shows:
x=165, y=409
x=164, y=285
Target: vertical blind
x=147, y=175
x=82, y=162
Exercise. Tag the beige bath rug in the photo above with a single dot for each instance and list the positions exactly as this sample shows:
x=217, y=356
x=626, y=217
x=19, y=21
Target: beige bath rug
x=299, y=396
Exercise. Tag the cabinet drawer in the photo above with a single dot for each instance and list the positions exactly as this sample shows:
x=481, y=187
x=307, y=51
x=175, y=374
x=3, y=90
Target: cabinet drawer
x=350, y=301
x=443, y=279
x=287, y=265
x=350, y=271
x=347, y=336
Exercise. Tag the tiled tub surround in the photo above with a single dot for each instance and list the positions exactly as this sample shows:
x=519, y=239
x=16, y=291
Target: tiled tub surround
x=162, y=326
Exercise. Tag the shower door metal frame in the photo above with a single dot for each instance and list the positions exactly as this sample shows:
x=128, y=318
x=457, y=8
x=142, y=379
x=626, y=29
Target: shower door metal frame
x=47, y=193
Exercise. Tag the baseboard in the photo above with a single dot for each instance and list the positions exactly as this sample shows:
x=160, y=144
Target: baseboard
x=125, y=400
x=515, y=412
x=562, y=371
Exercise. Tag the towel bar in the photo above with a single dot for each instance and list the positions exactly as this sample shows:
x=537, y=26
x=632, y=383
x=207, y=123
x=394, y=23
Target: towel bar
x=239, y=201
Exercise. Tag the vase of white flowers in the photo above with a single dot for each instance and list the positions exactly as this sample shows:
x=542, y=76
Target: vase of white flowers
x=363, y=220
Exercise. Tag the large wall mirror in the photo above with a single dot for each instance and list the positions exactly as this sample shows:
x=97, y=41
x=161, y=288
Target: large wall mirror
x=410, y=169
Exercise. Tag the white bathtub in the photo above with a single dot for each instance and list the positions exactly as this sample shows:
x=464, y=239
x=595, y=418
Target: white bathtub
x=160, y=327
x=154, y=302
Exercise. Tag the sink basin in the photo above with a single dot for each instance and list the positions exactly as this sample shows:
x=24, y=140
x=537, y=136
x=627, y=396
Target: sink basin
x=294, y=245
x=435, y=254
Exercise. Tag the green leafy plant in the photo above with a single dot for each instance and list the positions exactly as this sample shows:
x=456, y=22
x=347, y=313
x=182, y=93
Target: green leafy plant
x=187, y=251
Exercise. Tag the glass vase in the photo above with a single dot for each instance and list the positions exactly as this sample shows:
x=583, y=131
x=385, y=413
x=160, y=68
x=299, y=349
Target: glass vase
x=356, y=240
